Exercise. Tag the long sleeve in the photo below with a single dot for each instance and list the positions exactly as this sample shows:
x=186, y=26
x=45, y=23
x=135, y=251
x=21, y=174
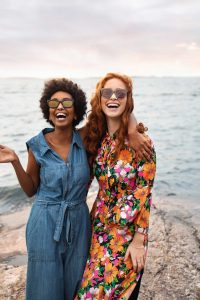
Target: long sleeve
x=144, y=183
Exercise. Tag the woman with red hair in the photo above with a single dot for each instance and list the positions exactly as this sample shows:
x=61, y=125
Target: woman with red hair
x=120, y=214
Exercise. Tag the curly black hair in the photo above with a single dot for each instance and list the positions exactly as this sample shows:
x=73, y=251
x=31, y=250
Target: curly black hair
x=65, y=85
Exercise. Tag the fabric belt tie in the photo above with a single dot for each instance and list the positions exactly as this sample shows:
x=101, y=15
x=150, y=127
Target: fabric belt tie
x=64, y=206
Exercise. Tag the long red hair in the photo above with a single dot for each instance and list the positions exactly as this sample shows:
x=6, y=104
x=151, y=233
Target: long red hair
x=96, y=126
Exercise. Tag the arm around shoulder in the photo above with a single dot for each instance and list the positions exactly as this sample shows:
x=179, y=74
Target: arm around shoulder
x=82, y=132
x=138, y=140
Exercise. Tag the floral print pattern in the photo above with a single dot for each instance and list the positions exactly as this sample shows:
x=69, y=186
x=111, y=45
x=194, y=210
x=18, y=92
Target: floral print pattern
x=122, y=207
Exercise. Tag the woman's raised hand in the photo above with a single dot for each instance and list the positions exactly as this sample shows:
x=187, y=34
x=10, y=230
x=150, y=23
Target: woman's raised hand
x=7, y=155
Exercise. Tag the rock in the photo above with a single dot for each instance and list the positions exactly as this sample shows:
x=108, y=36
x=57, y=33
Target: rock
x=172, y=268
x=174, y=271
x=12, y=283
x=197, y=292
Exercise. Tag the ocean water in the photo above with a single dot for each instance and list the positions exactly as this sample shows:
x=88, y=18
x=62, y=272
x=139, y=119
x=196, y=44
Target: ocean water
x=168, y=106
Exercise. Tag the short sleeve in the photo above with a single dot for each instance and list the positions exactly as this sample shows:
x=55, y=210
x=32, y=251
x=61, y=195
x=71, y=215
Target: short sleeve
x=33, y=144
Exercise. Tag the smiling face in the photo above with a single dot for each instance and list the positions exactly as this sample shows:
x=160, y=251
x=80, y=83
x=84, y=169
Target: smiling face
x=113, y=106
x=60, y=116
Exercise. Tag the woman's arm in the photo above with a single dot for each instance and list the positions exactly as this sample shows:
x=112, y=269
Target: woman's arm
x=82, y=132
x=142, y=193
x=138, y=140
x=29, y=179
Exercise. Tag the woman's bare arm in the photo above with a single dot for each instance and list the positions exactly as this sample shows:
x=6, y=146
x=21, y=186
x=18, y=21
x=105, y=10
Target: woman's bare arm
x=29, y=179
x=139, y=141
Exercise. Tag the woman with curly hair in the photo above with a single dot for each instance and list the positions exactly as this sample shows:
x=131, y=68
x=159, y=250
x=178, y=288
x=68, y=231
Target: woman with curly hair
x=120, y=215
x=58, y=230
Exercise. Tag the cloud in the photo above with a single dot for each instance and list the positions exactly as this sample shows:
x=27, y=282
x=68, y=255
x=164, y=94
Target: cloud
x=86, y=36
x=191, y=47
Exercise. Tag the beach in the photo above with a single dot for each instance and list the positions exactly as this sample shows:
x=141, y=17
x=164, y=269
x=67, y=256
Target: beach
x=173, y=263
x=169, y=107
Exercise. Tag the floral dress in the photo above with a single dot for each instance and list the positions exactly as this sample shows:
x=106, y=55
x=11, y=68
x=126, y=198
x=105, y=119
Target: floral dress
x=122, y=207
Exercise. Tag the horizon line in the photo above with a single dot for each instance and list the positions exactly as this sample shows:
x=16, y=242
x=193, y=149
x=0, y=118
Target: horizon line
x=96, y=76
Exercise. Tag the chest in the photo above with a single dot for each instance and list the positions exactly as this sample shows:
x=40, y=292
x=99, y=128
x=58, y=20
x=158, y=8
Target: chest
x=118, y=173
x=57, y=173
x=61, y=150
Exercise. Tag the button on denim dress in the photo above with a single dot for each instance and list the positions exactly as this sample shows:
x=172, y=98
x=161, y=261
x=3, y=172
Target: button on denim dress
x=58, y=231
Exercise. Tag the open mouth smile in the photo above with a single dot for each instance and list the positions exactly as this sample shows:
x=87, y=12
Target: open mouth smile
x=61, y=116
x=112, y=105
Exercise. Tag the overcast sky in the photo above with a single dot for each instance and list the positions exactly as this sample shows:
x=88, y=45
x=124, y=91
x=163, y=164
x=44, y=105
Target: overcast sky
x=77, y=38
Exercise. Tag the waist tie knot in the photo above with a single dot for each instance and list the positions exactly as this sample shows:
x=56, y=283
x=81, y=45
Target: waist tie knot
x=64, y=206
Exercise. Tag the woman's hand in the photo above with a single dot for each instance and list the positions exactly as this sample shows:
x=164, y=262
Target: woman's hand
x=137, y=252
x=7, y=155
x=141, y=143
x=138, y=140
x=138, y=256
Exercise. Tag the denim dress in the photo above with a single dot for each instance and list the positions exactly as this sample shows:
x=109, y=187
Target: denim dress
x=58, y=231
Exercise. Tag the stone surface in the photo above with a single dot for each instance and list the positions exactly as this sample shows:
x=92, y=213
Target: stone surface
x=173, y=264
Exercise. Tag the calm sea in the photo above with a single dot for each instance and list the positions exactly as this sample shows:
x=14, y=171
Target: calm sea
x=168, y=106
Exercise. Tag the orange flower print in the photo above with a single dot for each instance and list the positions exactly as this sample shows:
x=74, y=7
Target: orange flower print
x=96, y=251
x=103, y=214
x=125, y=156
x=102, y=178
x=87, y=277
x=110, y=272
x=116, y=210
x=128, y=263
x=117, y=244
x=149, y=171
x=123, y=203
x=143, y=218
x=111, y=181
x=141, y=193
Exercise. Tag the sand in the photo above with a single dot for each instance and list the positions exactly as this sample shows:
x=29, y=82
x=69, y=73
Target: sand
x=173, y=264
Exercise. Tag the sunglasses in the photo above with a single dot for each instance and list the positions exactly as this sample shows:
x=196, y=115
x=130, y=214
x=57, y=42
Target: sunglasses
x=66, y=102
x=119, y=93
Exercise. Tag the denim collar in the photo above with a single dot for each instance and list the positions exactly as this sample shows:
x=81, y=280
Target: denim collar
x=44, y=147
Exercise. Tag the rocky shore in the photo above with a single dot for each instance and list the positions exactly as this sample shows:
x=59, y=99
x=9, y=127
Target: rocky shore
x=173, y=264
